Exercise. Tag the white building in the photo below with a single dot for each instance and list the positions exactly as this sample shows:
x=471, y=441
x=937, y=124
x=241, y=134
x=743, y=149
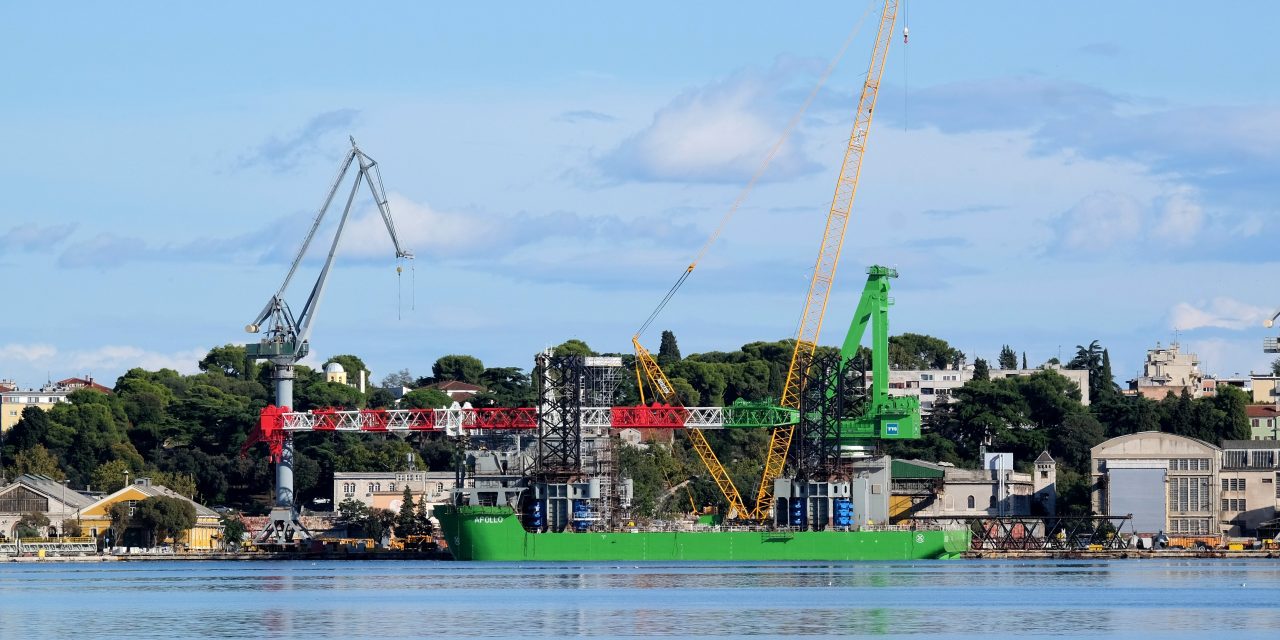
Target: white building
x=1168, y=370
x=936, y=386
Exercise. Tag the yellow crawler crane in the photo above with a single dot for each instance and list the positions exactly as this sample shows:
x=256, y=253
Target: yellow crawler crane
x=824, y=272
x=666, y=392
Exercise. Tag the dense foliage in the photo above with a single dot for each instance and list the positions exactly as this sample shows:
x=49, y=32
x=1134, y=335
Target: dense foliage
x=186, y=431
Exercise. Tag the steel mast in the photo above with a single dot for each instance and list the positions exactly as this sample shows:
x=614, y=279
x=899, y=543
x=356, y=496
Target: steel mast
x=286, y=339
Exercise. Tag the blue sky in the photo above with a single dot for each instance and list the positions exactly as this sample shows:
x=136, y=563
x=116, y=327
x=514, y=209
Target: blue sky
x=1041, y=174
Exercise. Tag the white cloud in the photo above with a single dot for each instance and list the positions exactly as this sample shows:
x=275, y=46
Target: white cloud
x=27, y=352
x=33, y=363
x=420, y=228
x=1101, y=221
x=1179, y=218
x=717, y=133
x=1221, y=312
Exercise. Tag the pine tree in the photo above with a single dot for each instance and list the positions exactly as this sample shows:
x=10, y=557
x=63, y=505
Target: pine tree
x=668, y=350
x=1008, y=358
x=1024, y=360
x=981, y=371
x=406, y=521
x=1106, y=379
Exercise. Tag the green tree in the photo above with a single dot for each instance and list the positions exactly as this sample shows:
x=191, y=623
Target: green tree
x=121, y=518
x=233, y=531
x=229, y=360
x=37, y=460
x=573, y=347
x=165, y=517
x=32, y=525
x=425, y=399
x=380, y=398
x=1008, y=359
x=981, y=370
x=320, y=395
x=422, y=518
x=918, y=351
x=1275, y=367
x=505, y=387
x=668, y=350
x=689, y=396
x=1024, y=361
x=406, y=520
x=110, y=475
x=458, y=367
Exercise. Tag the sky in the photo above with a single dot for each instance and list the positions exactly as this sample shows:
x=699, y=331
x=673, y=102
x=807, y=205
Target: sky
x=1041, y=175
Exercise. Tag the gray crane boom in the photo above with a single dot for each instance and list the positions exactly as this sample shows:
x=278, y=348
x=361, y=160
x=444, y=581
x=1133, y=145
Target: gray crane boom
x=287, y=335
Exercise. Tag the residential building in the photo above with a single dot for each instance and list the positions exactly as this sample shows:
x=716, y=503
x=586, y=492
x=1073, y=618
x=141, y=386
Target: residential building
x=926, y=489
x=1168, y=370
x=1168, y=483
x=385, y=490
x=14, y=401
x=1264, y=388
x=8, y=385
x=32, y=493
x=937, y=386
x=457, y=390
x=95, y=518
x=1263, y=424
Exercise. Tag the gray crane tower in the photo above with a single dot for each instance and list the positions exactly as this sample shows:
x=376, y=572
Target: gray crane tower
x=285, y=340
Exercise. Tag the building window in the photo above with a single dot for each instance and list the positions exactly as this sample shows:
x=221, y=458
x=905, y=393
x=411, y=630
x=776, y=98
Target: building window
x=992, y=503
x=392, y=487
x=926, y=391
x=972, y=502
x=1044, y=474
x=1226, y=504
x=1189, y=495
x=926, y=376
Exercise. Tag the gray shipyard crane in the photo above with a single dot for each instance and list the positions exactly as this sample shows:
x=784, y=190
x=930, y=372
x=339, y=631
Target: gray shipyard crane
x=285, y=335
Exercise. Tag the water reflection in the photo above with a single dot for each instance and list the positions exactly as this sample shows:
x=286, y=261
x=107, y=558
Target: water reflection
x=1173, y=599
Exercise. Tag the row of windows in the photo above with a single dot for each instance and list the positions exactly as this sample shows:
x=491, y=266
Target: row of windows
x=946, y=376
x=1232, y=504
x=1189, y=495
x=1189, y=464
x=375, y=487
x=1190, y=526
x=1233, y=484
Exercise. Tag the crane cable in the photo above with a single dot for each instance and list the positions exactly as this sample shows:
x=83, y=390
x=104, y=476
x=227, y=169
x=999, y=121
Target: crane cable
x=764, y=165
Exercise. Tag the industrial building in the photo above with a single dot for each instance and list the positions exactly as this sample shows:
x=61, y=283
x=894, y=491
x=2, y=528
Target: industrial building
x=1183, y=486
x=926, y=489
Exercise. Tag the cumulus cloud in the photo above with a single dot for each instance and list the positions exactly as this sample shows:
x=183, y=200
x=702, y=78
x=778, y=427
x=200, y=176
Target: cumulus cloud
x=35, y=237
x=481, y=236
x=1161, y=228
x=1179, y=218
x=1221, y=312
x=282, y=153
x=717, y=133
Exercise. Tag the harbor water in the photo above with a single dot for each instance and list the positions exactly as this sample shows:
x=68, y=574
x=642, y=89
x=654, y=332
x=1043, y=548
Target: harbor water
x=404, y=599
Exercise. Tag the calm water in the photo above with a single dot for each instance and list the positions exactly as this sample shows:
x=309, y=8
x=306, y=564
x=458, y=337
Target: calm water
x=959, y=599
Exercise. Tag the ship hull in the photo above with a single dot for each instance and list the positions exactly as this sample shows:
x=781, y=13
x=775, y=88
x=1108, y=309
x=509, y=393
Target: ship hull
x=495, y=534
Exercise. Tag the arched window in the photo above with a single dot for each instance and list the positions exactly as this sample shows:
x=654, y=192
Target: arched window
x=971, y=502
x=993, y=502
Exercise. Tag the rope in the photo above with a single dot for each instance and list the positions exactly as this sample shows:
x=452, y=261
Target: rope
x=764, y=165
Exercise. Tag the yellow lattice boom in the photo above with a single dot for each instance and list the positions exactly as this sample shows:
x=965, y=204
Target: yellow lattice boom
x=667, y=393
x=824, y=271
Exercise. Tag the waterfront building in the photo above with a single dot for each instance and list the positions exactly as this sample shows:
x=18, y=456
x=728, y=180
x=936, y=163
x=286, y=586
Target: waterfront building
x=1247, y=485
x=31, y=493
x=928, y=489
x=1169, y=483
x=385, y=489
x=95, y=518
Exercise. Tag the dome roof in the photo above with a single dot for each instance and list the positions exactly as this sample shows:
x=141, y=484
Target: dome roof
x=333, y=367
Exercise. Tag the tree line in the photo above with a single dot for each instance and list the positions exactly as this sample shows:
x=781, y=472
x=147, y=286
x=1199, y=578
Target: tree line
x=185, y=431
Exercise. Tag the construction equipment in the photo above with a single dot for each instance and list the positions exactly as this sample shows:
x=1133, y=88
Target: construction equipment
x=824, y=270
x=662, y=386
x=286, y=337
